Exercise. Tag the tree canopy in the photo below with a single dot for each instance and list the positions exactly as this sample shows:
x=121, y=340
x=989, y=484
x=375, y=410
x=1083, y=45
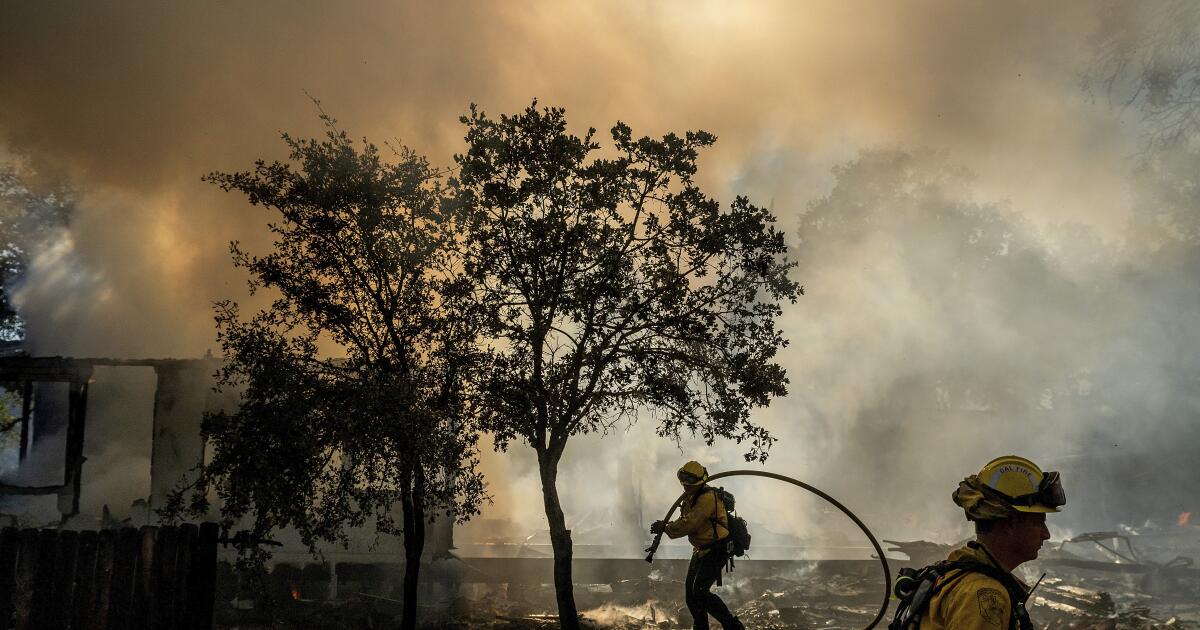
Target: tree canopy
x=362, y=267
x=618, y=285
x=613, y=285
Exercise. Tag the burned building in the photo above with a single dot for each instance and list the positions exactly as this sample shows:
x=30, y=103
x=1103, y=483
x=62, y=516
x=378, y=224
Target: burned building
x=54, y=395
x=54, y=422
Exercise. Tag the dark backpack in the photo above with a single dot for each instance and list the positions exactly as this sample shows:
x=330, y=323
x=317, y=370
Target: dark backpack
x=915, y=589
x=738, y=541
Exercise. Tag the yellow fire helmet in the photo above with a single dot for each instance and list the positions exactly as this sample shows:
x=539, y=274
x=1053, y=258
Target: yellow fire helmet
x=1022, y=485
x=692, y=474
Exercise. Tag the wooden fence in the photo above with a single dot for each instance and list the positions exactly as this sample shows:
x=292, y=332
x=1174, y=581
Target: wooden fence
x=155, y=577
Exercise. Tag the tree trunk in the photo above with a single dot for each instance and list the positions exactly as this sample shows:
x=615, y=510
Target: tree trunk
x=411, y=502
x=560, y=539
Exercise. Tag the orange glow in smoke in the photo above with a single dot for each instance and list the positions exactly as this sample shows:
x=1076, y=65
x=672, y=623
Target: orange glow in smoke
x=295, y=591
x=1183, y=519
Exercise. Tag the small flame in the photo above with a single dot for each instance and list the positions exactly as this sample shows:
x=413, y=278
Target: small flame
x=1184, y=518
x=295, y=591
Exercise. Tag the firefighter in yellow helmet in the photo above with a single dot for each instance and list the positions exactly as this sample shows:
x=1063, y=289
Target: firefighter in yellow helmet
x=706, y=524
x=1008, y=501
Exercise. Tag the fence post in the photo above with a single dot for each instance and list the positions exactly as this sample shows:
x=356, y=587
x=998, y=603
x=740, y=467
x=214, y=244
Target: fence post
x=122, y=608
x=63, y=589
x=204, y=576
x=43, y=581
x=146, y=592
x=25, y=578
x=165, y=556
x=106, y=542
x=83, y=602
x=8, y=573
x=185, y=548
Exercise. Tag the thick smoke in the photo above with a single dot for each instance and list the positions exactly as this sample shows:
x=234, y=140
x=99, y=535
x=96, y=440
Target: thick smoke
x=1018, y=287
x=942, y=330
x=134, y=101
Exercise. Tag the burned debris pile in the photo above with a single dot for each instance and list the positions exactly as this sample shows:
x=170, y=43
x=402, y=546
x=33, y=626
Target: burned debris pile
x=833, y=594
x=1101, y=580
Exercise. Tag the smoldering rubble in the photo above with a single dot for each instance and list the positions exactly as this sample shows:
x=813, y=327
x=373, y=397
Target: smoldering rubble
x=1085, y=586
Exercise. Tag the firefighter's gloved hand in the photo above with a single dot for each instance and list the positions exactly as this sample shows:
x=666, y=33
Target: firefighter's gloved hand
x=657, y=527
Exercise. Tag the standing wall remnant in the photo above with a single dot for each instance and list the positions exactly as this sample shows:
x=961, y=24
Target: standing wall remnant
x=182, y=397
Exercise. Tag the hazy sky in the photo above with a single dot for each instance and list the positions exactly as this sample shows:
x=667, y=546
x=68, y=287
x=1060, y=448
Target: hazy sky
x=133, y=101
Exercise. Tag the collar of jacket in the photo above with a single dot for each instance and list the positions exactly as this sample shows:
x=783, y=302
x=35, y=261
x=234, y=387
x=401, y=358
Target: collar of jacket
x=980, y=552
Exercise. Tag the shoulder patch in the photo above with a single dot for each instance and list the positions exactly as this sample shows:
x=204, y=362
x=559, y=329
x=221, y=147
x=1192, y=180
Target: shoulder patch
x=991, y=606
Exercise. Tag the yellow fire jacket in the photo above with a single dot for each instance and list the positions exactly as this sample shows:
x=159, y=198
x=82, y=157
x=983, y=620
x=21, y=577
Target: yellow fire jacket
x=970, y=602
x=703, y=520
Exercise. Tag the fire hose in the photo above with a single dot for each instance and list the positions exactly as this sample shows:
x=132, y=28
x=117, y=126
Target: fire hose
x=887, y=573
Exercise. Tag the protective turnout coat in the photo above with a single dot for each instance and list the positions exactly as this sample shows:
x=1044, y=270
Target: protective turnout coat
x=703, y=520
x=973, y=601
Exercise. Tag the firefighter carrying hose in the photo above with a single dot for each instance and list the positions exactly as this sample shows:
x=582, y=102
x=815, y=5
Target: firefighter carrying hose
x=705, y=522
x=974, y=589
